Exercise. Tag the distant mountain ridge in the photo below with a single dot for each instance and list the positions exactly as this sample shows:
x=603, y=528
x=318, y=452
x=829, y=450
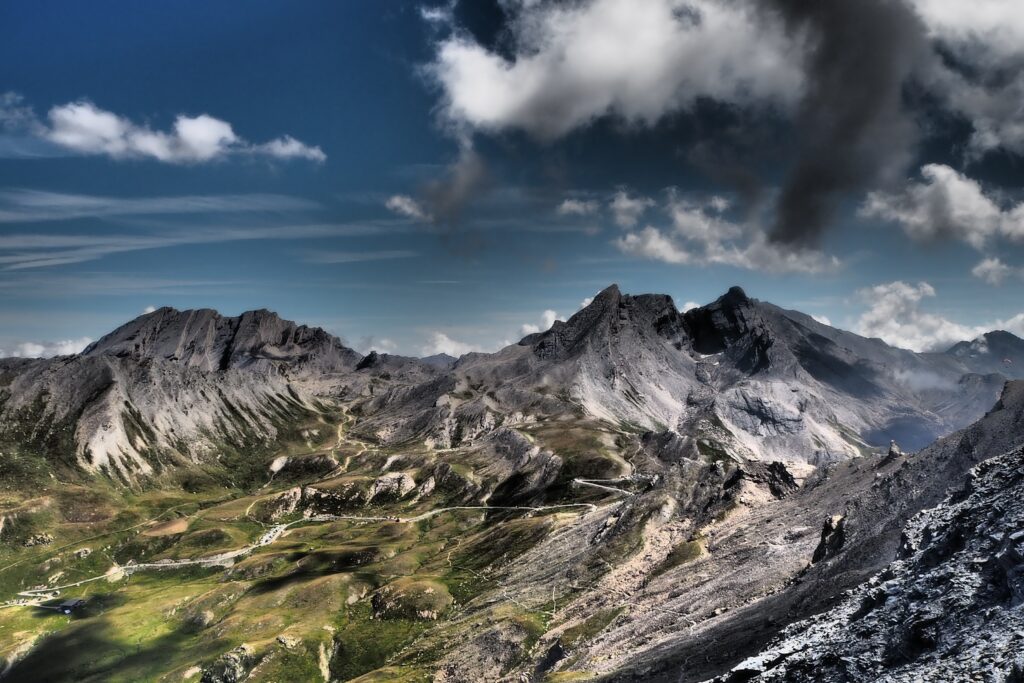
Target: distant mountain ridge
x=737, y=375
x=761, y=381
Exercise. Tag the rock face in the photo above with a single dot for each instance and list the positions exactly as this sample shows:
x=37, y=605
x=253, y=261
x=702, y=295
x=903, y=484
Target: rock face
x=206, y=340
x=232, y=667
x=947, y=609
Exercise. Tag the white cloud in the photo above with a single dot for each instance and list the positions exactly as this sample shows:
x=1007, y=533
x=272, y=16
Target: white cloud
x=384, y=345
x=405, y=205
x=288, y=147
x=823, y=319
x=371, y=343
x=47, y=349
x=628, y=210
x=994, y=271
x=946, y=204
x=638, y=61
x=651, y=244
x=439, y=342
x=586, y=302
x=701, y=236
x=577, y=207
x=547, y=319
x=894, y=315
x=986, y=39
x=689, y=306
x=149, y=309
x=83, y=128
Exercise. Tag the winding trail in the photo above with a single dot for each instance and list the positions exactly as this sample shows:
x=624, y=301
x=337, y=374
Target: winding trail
x=33, y=597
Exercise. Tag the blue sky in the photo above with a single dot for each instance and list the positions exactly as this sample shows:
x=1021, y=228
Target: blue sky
x=422, y=178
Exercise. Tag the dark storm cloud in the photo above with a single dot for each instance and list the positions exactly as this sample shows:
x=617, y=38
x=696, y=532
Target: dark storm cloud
x=446, y=198
x=854, y=129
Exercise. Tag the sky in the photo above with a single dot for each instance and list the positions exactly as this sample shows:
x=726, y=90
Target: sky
x=426, y=177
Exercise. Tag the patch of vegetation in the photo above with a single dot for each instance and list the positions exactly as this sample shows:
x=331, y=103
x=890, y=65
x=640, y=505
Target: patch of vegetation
x=687, y=551
x=589, y=628
x=713, y=451
x=501, y=543
x=412, y=598
x=364, y=644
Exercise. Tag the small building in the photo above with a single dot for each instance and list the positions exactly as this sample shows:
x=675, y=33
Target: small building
x=69, y=606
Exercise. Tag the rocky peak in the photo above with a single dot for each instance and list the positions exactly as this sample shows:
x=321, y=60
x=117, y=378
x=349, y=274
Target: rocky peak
x=608, y=317
x=724, y=321
x=205, y=339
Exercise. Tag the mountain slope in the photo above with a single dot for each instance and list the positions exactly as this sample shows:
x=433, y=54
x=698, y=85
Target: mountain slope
x=959, y=573
x=171, y=388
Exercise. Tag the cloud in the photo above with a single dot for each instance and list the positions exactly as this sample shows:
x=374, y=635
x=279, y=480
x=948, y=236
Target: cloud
x=356, y=256
x=573, y=63
x=577, y=207
x=628, y=210
x=380, y=345
x=994, y=271
x=984, y=81
x=946, y=204
x=288, y=147
x=823, y=319
x=83, y=128
x=148, y=309
x=652, y=245
x=689, y=306
x=39, y=250
x=547, y=319
x=47, y=349
x=586, y=302
x=701, y=236
x=894, y=315
x=854, y=128
x=23, y=205
x=857, y=82
x=439, y=342
x=467, y=178
x=405, y=205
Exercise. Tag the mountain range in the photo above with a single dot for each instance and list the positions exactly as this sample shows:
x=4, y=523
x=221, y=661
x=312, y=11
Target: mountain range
x=745, y=376
x=733, y=492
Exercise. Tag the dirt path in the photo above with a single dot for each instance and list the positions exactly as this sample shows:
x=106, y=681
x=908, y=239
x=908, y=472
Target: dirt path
x=36, y=595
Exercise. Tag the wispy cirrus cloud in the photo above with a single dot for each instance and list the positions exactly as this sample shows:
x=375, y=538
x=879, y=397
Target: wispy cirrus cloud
x=19, y=205
x=81, y=127
x=34, y=250
x=328, y=257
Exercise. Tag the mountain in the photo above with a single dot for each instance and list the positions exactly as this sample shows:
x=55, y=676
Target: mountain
x=998, y=351
x=170, y=389
x=741, y=376
x=746, y=376
x=208, y=341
